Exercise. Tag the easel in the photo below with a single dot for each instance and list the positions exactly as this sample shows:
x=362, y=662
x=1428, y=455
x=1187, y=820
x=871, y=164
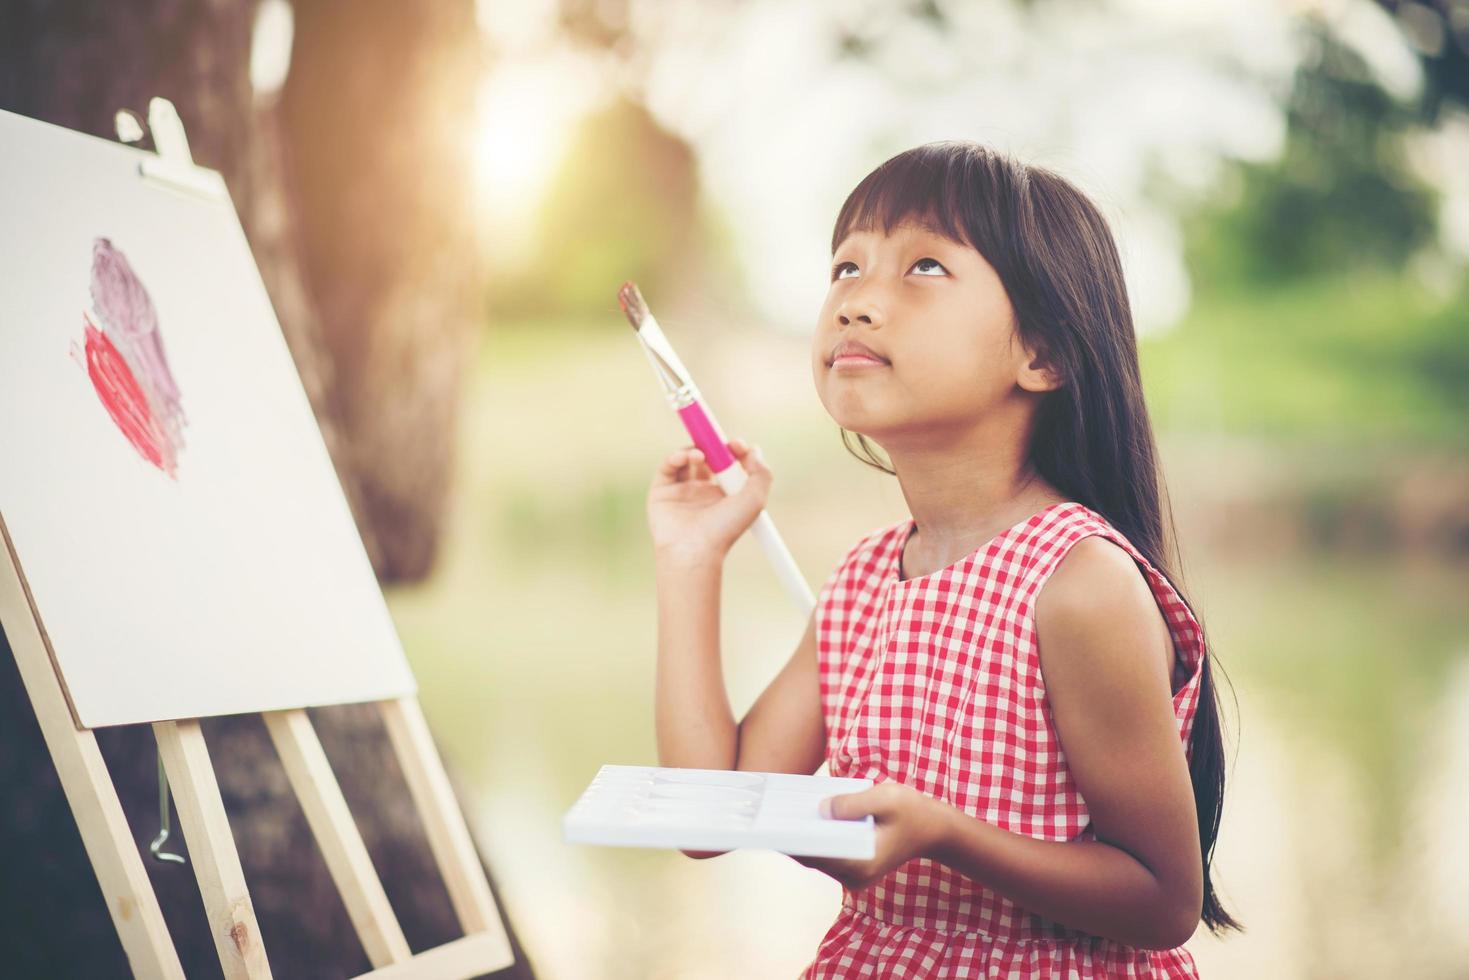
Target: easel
x=130, y=898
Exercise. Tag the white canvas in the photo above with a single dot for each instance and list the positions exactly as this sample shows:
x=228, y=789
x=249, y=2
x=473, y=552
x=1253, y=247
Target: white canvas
x=236, y=584
x=718, y=810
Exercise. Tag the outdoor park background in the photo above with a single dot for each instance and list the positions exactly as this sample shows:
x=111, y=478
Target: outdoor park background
x=1290, y=187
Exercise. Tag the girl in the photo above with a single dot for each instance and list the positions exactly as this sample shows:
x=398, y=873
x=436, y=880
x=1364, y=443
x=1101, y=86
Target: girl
x=1013, y=666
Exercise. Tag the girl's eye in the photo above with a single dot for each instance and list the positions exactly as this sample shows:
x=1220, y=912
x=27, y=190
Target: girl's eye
x=924, y=267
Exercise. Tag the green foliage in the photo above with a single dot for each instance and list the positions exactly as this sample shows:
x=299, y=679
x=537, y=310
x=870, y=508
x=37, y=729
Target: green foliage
x=1340, y=198
x=1307, y=320
x=1440, y=357
x=1341, y=358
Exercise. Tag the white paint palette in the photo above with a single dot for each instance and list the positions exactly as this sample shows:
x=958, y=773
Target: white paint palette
x=717, y=810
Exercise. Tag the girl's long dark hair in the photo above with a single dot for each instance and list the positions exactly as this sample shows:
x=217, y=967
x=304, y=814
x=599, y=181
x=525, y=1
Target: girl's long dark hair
x=1092, y=440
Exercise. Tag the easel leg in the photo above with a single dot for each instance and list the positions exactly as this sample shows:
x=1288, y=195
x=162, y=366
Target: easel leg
x=212, y=849
x=326, y=811
x=114, y=854
x=444, y=823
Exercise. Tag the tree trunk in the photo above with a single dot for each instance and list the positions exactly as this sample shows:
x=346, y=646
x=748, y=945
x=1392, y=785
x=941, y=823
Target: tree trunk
x=379, y=111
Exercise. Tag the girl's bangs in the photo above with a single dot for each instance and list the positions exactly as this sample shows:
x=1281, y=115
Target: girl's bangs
x=917, y=187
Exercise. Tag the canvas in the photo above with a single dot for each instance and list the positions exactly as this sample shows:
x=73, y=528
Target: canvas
x=167, y=493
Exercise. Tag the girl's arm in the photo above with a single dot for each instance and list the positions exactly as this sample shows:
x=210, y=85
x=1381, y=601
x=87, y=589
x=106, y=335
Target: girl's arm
x=691, y=714
x=782, y=732
x=1102, y=639
x=693, y=525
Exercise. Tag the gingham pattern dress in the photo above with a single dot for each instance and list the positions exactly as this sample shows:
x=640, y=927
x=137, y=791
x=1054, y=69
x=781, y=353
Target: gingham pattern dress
x=935, y=682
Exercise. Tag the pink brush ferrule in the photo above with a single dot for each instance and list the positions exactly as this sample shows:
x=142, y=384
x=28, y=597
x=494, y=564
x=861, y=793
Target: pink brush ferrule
x=706, y=437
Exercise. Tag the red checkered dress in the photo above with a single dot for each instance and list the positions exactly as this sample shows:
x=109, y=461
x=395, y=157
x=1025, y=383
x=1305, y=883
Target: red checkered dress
x=935, y=682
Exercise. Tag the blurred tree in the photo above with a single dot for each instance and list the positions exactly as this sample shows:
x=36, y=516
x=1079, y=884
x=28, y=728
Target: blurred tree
x=1438, y=31
x=1341, y=198
x=1299, y=251
x=350, y=193
x=378, y=119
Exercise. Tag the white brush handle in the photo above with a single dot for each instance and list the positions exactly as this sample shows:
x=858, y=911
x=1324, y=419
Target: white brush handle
x=730, y=481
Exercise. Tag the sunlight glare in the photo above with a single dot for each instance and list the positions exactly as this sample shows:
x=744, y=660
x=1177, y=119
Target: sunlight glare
x=527, y=113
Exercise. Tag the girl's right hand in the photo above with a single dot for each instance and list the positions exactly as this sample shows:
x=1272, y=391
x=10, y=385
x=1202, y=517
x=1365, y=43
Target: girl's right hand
x=690, y=517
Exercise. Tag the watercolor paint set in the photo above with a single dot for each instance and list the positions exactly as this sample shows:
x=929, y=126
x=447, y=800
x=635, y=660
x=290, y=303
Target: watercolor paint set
x=717, y=810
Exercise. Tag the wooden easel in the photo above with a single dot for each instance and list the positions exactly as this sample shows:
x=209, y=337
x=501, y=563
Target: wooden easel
x=94, y=802
x=130, y=898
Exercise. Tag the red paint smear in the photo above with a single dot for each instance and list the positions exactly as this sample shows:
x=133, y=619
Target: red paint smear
x=124, y=399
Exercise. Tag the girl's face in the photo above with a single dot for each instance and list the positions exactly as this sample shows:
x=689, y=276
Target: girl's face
x=936, y=313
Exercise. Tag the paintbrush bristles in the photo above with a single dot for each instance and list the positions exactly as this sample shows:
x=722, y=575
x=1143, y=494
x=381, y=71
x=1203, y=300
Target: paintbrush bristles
x=632, y=304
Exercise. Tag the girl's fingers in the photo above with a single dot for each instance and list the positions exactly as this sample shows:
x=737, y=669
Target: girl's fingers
x=683, y=464
x=668, y=470
x=673, y=469
x=750, y=457
x=743, y=451
x=689, y=463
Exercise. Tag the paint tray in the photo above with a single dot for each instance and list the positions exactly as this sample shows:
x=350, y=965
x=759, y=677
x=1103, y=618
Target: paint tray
x=717, y=810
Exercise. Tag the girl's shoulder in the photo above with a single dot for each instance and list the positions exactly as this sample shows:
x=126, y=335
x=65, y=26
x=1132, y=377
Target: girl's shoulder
x=1078, y=523
x=1080, y=553
x=1066, y=526
x=1097, y=581
x=1096, y=584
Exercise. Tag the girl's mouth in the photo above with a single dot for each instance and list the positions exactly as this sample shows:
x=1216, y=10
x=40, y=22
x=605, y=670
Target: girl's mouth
x=852, y=361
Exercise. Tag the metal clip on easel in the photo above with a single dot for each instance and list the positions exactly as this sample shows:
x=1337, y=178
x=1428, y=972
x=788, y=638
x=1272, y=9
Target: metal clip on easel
x=156, y=848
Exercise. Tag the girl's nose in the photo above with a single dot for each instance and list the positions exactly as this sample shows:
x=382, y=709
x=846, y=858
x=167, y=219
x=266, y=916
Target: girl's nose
x=861, y=302
x=863, y=312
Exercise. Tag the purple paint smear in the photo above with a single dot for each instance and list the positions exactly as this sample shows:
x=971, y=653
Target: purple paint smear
x=131, y=323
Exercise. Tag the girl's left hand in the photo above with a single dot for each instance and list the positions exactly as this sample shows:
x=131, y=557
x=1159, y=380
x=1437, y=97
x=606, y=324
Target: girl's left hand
x=909, y=825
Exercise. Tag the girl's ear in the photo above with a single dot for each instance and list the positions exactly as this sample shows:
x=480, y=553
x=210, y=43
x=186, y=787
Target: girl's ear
x=1037, y=374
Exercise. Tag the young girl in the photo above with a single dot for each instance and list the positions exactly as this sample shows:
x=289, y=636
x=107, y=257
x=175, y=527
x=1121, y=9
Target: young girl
x=1012, y=666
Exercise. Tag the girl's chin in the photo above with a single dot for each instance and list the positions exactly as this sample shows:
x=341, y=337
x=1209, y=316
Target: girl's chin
x=860, y=424
x=857, y=409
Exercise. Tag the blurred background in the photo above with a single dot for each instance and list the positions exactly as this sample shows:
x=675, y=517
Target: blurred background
x=444, y=197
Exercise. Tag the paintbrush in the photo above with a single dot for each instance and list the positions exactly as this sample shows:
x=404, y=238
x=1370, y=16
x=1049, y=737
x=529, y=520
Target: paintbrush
x=688, y=403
